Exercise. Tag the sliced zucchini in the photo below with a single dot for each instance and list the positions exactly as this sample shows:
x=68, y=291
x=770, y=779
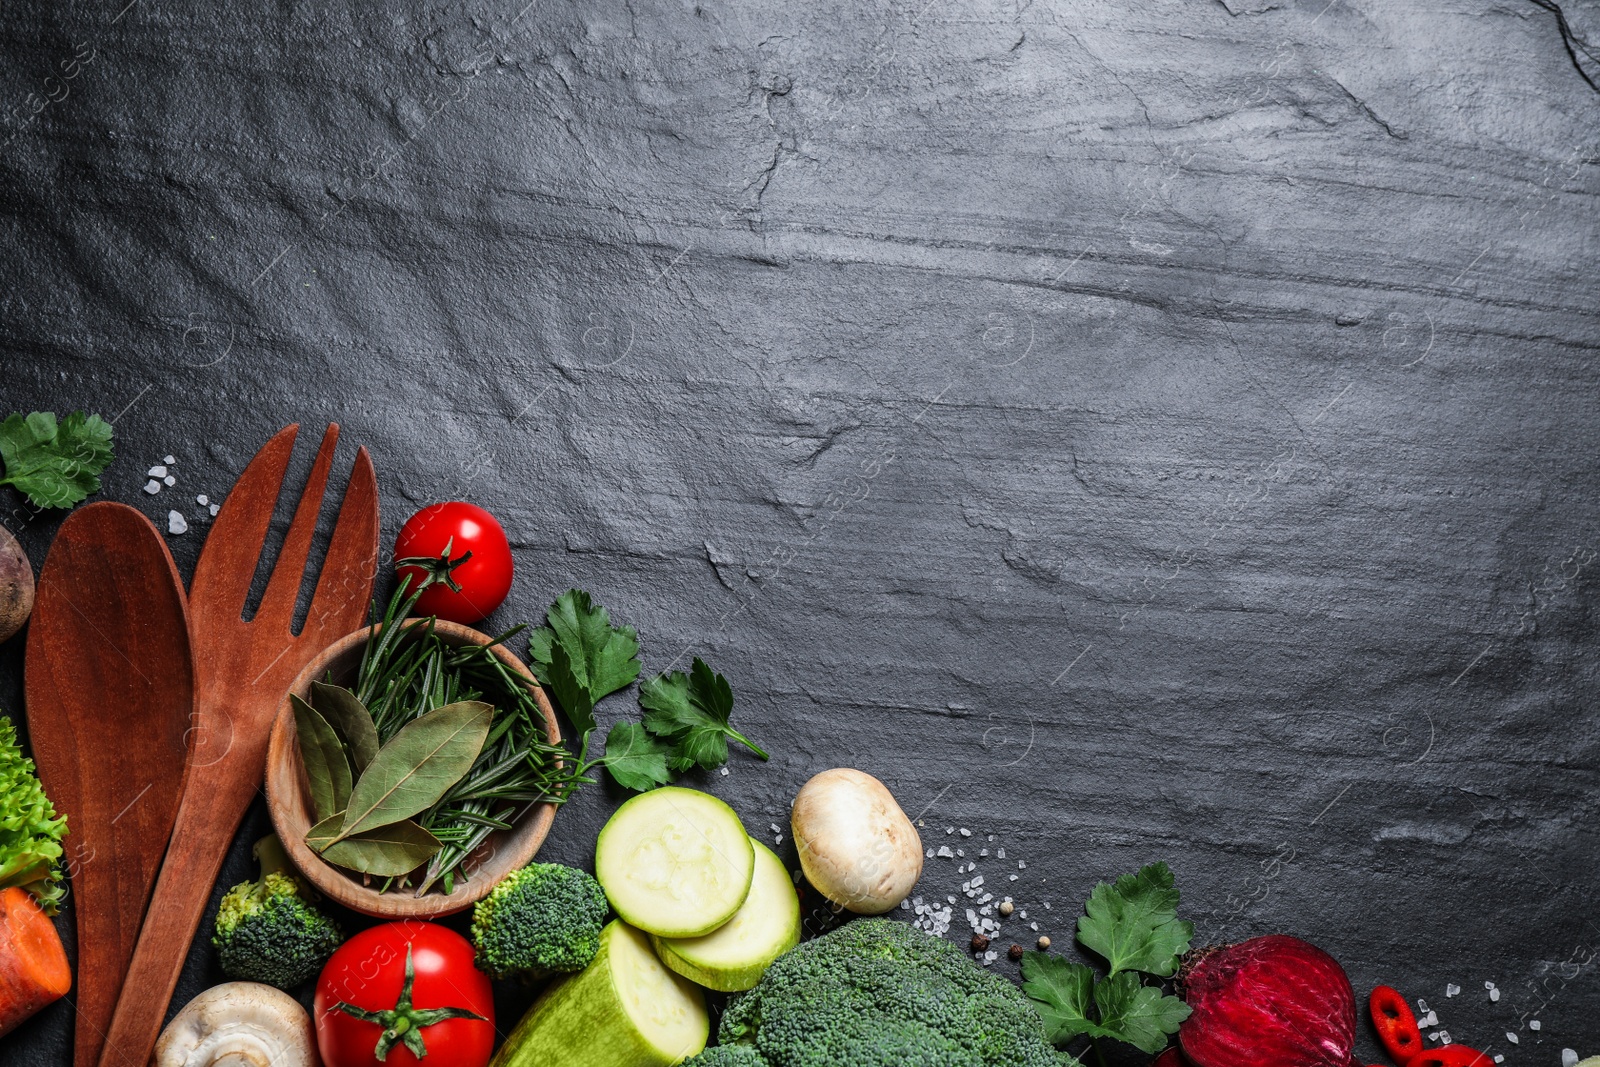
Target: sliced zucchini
x=623, y=1010
x=736, y=954
x=675, y=862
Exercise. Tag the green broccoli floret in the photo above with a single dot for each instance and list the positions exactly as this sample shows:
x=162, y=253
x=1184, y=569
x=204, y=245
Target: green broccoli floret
x=267, y=931
x=542, y=919
x=878, y=993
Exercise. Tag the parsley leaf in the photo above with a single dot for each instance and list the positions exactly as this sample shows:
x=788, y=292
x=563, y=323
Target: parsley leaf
x=1063, y=992
x=1134, y=923
x=582, y=656
x=692, y=711
x=53, y=464
x=635, y=758
x=1138, y=1014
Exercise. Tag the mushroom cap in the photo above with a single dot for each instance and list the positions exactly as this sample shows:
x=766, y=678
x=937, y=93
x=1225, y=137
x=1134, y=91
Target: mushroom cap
x=239, y=1024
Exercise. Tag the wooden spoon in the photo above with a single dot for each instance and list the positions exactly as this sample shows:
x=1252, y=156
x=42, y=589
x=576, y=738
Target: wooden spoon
x=242, y=670
x=109, y=689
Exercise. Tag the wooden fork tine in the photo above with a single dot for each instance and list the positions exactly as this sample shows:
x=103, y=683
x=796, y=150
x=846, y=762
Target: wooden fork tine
x=289, y=572
x=352, y=558
x=227, y=564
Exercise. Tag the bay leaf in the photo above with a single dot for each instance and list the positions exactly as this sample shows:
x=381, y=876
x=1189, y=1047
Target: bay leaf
x=351, y=718
x=420, y=763
x=327, y=769
x=387, y=852
x=325, y=832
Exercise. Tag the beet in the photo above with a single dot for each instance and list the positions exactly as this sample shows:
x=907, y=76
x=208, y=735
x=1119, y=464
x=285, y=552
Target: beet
x=1268, y=1002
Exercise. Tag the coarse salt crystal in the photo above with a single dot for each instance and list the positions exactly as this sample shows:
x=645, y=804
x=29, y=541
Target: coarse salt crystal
x=218, y=507
x=965, y=832
x=1569, y=1058
x=977, y=881
x=774, y=826
x=930, y=853
x=1021, y=865
x=1488, y=985
x=152, y=487
x=723, y=771
x=1013, y=878
x=1494, y=995
x=960, y=852
x=1513, y=1038
x=778, y=840
x=1498, y=1058
x=169, y=480
x=1534, y=1024
x=168, y=459
x=1452, y=990
x=1444, y=1037
x=949, y=830
x=176, y=523
x=1422, y=1005
x=991, y=837
x=944, y=852
x=1001, y=853
x=1430, y=1019
x=905, y=905
x=202, y=500
x=983, y=852
x=157, y=472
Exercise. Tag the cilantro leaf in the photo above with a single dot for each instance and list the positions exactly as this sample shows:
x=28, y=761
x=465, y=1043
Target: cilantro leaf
x=55, y=464
x=1134, y=923
x=582, y=656
x=1137, y=1014
x=637, y=760
x=692, y=712
x=1063, y=992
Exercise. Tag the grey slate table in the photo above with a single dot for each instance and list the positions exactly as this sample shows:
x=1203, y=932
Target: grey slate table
x=1133, y=431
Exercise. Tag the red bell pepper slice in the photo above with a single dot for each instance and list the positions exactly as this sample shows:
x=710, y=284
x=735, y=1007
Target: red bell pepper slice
x=1396, y=1025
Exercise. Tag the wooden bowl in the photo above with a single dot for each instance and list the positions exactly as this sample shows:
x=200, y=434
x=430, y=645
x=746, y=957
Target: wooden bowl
x=289, y=797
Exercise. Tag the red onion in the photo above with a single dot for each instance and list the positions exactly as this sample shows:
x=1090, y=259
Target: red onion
x=1268, y=1002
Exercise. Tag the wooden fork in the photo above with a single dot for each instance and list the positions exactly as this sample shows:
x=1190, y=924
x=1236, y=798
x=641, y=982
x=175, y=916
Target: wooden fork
x=242, y=670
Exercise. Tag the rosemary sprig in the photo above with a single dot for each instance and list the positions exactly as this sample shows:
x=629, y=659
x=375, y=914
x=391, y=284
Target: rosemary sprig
x=409, y=670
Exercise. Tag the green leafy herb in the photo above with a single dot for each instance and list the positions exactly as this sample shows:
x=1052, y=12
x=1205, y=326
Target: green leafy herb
x=55, y=464
x=582, y=656
x=1133, y=923
x=30, y=829
x=418, y=766
x=351, y=718
x=1063, y=992
x=387, y=852
x=1138, y=1014
x=691, y=711
x=327, y=769
x=635, y=758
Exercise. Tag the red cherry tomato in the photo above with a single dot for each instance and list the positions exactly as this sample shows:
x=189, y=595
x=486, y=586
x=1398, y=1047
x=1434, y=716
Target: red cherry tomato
x=457, y=528
x=364, y=994
x=1396, y=1025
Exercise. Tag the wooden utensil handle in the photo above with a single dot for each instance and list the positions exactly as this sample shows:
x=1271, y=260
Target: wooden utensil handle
x=210, y=814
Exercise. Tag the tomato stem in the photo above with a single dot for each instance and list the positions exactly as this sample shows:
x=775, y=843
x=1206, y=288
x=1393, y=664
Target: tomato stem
x=403, y=1024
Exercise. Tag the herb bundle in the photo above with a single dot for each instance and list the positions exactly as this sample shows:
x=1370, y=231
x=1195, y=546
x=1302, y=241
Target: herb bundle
x=1133, y=925
x=432, y=749
x=581, y=657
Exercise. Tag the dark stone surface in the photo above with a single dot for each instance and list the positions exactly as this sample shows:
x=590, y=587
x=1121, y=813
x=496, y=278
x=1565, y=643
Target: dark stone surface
x=1134, y=431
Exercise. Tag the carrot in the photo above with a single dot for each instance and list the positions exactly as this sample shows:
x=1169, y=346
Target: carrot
x=33, y=965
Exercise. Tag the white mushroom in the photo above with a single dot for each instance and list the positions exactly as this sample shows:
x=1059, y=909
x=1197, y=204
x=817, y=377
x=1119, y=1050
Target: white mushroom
x=856, y=846
x=239, y=1024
